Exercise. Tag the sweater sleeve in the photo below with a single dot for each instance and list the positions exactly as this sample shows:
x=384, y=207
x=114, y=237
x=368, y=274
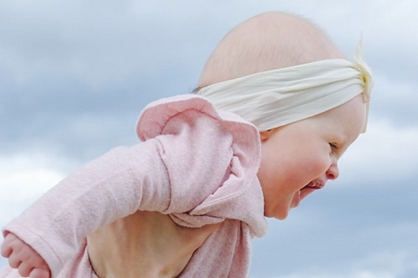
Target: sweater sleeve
x=212, y=159
x=113, y=186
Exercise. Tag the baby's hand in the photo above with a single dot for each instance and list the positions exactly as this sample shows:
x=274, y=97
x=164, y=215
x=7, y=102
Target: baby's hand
x=21, y=256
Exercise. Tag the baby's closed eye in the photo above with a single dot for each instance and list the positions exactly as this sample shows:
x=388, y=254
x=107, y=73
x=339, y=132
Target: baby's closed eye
x=333, y=145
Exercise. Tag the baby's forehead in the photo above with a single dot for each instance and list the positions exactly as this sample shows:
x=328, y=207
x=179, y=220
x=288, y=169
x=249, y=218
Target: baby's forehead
x=345, y=121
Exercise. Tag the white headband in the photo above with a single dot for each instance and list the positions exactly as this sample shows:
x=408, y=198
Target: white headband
x=278, y=97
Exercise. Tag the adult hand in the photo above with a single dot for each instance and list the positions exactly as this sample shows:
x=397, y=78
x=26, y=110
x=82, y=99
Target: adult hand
x=144, y=244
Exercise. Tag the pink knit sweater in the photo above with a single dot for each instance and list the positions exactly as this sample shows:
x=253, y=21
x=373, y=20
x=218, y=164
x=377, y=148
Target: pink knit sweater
x=197, y=164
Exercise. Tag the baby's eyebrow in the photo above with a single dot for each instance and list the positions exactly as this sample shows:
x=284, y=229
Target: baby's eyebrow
x=196, y=90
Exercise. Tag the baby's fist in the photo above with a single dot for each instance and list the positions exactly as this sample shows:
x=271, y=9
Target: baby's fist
x=24, y=258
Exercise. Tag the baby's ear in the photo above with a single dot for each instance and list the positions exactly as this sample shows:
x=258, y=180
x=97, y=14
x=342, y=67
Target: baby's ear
x=264, y=135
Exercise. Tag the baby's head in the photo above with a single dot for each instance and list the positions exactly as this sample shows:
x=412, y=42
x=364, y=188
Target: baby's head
x=284, y=75
x=265, y=42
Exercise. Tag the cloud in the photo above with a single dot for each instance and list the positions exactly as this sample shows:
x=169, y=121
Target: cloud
x=384, y=154
x=23, y=179
x=394, y=100
x=309, y=244
x=97, y=45
x=23, y=176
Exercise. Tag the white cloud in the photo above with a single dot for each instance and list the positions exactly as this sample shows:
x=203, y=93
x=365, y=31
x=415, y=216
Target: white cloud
x=385, y=152
x=358, y=274
x=23, y=179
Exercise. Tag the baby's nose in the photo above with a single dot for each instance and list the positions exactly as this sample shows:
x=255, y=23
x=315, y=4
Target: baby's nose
x=333, y=172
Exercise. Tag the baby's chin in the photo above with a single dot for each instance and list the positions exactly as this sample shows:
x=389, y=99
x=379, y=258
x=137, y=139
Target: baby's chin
x=278, y=213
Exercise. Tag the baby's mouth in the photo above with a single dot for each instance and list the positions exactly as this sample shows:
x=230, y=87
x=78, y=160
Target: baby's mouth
x=311, y=187
x=306, y=190
x=315, y=185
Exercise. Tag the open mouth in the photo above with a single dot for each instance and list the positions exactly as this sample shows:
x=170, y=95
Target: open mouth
x=306, y=190
x=315, y=185
x=310, y=187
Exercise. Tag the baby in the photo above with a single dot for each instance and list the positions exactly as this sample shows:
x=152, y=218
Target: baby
x=276, y=107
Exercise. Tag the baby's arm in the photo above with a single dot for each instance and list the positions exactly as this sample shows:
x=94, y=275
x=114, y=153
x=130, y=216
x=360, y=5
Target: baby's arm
x=111, y=187
x=172, y=173
x=21, y=256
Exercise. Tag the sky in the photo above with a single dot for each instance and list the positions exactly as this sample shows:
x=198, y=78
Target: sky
x=74, y=76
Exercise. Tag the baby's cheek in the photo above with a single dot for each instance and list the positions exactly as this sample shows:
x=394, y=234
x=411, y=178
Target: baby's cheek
x=319, y=165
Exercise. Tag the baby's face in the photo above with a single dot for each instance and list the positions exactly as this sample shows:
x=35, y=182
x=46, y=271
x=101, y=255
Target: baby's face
x=301, y=157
